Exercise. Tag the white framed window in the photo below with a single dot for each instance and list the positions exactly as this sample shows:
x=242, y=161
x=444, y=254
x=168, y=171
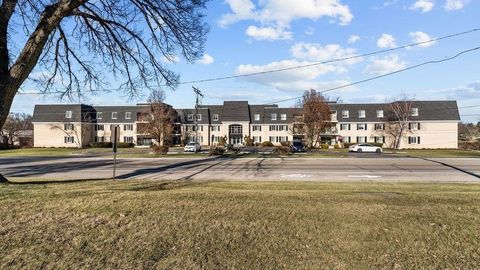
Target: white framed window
x=345, y=114
x=347, y=139
x=257, y=139
x=128, y=115
x=361, y=113
x=68, y=127
x=215, y=117
x=256, y=117
x=361, y=139
x=128, y=139
x=128, y=127
x=344, y=126
x=114, y=115
x=414, y=126
x=257, y=128
x=283, y=117
x=273, y=116
x=99, y=115
x=190, y=117
x=199, y=117
x=361, y=126
x=414, y=111
x=379, y=113
x=69, y=139
x=278, y=127
x=379, y=139
x=68, y=114
x=99, y=127
x=215, y=128
x=379, y=126
x=413, y=140
x=99, y=139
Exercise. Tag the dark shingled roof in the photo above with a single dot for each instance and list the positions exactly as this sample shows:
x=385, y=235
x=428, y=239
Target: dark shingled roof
x=241, y=111
x=235, y=111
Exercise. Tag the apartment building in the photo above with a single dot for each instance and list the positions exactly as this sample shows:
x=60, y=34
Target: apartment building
x=434, y=124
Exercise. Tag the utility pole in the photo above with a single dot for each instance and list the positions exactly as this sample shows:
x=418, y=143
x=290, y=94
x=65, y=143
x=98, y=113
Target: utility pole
x=198, y=94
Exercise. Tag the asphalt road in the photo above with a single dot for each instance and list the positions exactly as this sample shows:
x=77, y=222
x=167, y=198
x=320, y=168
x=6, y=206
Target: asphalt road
x=210, y=168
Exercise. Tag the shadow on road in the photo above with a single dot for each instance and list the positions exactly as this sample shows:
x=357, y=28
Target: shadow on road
x=453, y=167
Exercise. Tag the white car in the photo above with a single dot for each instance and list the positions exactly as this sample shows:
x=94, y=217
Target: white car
x=365, y=147
x=192, y=147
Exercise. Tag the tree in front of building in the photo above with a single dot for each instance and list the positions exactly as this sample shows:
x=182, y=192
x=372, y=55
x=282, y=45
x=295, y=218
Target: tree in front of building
x=13, y=127
x=160, y=121
x=316, y=117
x=398, y=118
x=74, y=46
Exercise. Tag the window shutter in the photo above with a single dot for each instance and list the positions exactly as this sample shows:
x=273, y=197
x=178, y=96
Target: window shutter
x=383, y=139
x=418, y=140
x=418, y=126
x=365, y=139
x=349, y=127
x=365, y=126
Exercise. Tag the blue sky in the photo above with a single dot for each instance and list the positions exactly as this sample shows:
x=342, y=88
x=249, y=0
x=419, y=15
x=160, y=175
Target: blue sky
x=249, y=36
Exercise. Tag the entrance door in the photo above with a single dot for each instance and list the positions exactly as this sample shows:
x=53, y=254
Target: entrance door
x=235, y=139
x=235, y=134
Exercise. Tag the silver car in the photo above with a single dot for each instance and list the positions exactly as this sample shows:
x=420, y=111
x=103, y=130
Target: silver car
x=192, y=147
x=365, y=147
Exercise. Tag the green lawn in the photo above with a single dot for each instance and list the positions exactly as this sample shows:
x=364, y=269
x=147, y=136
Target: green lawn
x=254, y=225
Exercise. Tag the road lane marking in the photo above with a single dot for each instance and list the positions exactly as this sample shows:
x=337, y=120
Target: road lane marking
x=365, y=176
x=295, y=176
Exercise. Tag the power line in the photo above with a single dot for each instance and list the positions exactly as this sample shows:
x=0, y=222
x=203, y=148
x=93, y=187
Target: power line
x=384, y=75
x=297, y=67
x=333, y=60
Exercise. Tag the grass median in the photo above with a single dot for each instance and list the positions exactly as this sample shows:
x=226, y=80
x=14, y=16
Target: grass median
x=254, y=225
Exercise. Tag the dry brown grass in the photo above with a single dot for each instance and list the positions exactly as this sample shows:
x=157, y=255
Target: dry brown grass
x=255, y=225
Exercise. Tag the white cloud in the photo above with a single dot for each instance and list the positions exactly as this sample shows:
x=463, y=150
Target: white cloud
x=309, y=31
x=419, y=36
x=465, y=92
x=268, y=33
x=423, y=5
x=386, y=41
x=273, y=15
x=353, y=39
x=318, y=53
x=455, y=4
x=384, y=65
x=206, y=60
x=300, y=79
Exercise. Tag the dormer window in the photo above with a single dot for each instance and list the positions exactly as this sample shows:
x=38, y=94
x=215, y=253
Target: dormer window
x=283, y=117
x=68, y=114
x=379, y=113
x=114, y=115
x=128, y=115
x=99, y=115
x=414, y=111
x=345, y=114
x=361, y=114
x=190, y=117
x=215, y=117
x=274, y=116
x=256, y=117
x=199, y=117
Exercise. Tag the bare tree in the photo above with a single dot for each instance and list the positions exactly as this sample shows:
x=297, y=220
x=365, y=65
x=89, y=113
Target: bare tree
x=77, y=131
x=74, y=42
x=160, y=120
x=468, y=132
x=316, y=117
x=399, y=115
x=14, y=125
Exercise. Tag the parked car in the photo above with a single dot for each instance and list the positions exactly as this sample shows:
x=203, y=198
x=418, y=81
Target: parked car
x=365, y=147
x=298, y=146
x=192, y=147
